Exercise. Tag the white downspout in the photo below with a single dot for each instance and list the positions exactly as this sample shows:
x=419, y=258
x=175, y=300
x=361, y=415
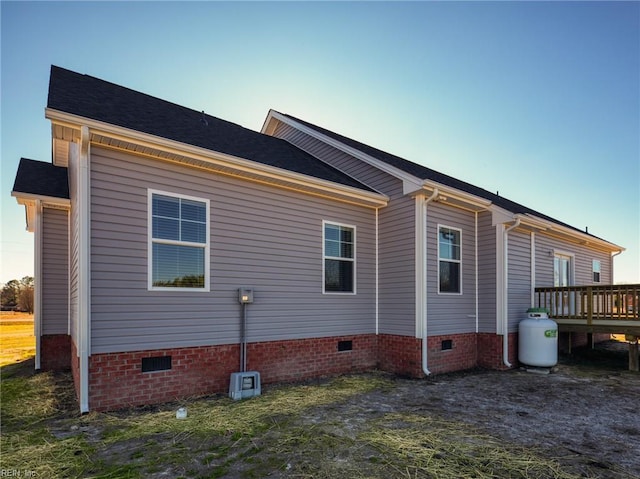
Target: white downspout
x=377, y=275
x=505, y=316
x=611, y=266
x=425, y=291
x=37, y=283
x=475, y=252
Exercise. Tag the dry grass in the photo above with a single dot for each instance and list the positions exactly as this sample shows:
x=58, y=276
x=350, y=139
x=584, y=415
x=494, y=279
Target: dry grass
x=17, y=341
x=277, y=434
x=426, y=446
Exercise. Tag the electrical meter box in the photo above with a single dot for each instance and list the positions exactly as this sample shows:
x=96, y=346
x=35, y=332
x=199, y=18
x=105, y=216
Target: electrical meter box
x=244, y=385
x=245, y=295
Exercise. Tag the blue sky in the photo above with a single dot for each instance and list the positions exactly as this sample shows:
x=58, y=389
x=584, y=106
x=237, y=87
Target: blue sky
x=537, y=100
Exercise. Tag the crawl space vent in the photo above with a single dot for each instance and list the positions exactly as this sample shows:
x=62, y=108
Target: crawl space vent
x=159, y=363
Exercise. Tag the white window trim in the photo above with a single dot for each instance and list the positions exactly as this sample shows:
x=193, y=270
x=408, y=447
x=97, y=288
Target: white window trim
x=353, y=260
x=151, y=241
x=459, y=261
x=593, y=271
x=572, y=264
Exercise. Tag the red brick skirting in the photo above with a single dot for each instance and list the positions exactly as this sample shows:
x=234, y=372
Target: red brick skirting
x=490, y=350
x=75, y=368
x=116, y=380
x=403, y=354
x=55, y=352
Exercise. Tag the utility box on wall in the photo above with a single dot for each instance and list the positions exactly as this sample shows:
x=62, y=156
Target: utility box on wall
x=244, y=385
x=245, y=295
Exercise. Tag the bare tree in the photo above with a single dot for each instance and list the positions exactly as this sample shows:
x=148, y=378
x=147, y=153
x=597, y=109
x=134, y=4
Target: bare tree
x=9, y=294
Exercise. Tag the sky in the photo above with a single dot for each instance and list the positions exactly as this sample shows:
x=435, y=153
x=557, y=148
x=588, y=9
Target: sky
x=537, y=100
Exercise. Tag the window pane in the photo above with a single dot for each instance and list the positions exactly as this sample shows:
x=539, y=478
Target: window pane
x=338, y=276
x=178, y=266
x=166, y=206
x=449, y=241
x=332, y=232
x=338, y=241
x=346, y=234
x=194, y=211
x=194, y=232
x=331, y=248
x=166, y=228
x=346, y=250
x=449, y=277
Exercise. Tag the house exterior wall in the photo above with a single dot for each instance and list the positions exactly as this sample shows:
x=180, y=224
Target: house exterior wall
x=261, y=237
x=519, y=277
x=55, y=269
x=487, y=274
x=396, y=232
x=451, y=313
x=74, y=232
x=546, y=246
x=55, y=344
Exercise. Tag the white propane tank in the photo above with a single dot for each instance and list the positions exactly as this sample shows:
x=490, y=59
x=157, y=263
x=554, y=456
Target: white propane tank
x=538, y=339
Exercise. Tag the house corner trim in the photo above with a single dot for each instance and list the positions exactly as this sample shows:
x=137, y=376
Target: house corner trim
x=84, y=265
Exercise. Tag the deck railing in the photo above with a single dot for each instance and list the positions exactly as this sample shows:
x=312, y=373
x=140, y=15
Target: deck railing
x=589, y=303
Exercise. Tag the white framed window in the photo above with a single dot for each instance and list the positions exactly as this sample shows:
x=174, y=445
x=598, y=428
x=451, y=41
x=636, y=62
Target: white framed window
x=339, y=258
x=562, y=269
x=596, y=270
x=178, y=257
x=449, y=260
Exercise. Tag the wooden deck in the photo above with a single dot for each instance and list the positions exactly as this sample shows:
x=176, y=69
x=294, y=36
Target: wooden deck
x=612, y=309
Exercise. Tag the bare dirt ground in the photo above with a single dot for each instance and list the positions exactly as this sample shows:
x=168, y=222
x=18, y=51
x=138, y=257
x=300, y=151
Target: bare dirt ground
x=582, y=420
x=585, y=414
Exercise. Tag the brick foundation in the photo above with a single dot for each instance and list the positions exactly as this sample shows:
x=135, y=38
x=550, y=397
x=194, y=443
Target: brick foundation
x=284, y=361
x=403, y=354
x=116, y=380
x=462, y=355
x=490, y=350
x=55, y=352
x=75, y=368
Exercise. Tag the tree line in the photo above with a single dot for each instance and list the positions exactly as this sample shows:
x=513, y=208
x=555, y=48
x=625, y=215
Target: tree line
x=17, y=295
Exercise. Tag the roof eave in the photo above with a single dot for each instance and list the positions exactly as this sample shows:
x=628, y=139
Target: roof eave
x=566, y=233
x=107, y=135
x=30, y=203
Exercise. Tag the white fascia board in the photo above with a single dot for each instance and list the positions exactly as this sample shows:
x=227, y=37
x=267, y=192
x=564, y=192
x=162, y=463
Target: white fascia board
x=214, y=157
x=270, y=123
x=381, y=165
x=473, y=202
x=22, y=198
x=29, y=201
x=567, y=233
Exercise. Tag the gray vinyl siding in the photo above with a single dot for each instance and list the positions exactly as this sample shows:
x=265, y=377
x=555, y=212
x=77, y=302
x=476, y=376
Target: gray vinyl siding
x=396, y=232
x=583, y=258
x=450, y=313
x=55, y=271
x=486, y=274
x=397, y=268
x=519, y=277
x=261, y=237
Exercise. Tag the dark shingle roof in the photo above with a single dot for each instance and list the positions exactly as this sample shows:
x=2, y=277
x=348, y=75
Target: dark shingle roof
x=90, y=97
x=424, y=173
x=42, y=179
